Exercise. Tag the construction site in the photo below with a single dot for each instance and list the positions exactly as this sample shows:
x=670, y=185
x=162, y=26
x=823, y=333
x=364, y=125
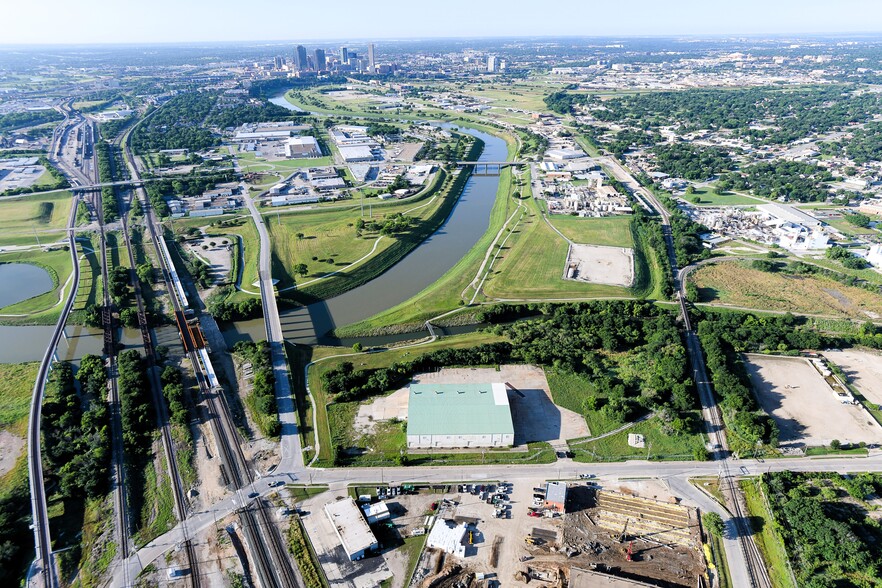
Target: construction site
x=604, y=538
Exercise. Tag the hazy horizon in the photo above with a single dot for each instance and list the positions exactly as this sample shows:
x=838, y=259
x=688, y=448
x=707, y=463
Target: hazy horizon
x=102, y=22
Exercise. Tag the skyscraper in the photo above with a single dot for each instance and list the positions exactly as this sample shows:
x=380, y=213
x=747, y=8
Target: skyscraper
x=277, y=62
x=372, y=63
x=491, y=64
x=300, y=58
x=319, y=58
x=344, y=55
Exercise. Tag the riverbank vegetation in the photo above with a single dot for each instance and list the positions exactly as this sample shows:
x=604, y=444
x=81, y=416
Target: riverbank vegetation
x=45, y=307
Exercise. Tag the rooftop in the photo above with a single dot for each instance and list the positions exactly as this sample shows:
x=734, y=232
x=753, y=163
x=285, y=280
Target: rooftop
x=352, y=528
x=459, y=409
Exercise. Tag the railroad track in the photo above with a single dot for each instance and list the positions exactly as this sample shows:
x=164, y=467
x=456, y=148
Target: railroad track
x=156, y=386
x=274, y=566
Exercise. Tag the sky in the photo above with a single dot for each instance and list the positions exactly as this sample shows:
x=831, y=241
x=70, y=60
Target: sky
x=169, y=21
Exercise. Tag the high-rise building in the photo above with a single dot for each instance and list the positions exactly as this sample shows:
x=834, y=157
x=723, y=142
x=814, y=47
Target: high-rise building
x=491, y=64
x=277, y=62
x=300, y=59
x=319, y=58
x=344, y=55
x=372, y=63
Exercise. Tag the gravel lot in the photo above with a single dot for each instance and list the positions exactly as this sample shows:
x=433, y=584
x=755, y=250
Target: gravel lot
x=863, y=368
x=599, y=264
x=804, y=406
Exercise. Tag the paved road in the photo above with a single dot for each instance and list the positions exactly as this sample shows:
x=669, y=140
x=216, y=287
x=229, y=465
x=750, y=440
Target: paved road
x=43, y=571
x=292, y=454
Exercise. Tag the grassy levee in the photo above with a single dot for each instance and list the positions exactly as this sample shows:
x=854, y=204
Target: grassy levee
x=649, y=273
x=26, y=219
x=391, y=254
x=445, y=293
x=16, y=383
x=537, y=251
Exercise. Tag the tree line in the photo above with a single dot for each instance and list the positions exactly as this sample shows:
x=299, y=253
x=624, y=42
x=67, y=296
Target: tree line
x=823, y=521
x=262, y=398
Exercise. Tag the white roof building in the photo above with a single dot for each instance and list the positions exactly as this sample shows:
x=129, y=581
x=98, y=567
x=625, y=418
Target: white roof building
x=562, y=154
x=302, y=147
x=874, y=255
x=374, y=513
x=356, y=153
x=449, y=537
x=789, y=214
x=352, y=529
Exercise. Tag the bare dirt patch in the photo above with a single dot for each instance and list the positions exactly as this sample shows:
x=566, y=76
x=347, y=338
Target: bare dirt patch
x=804, y=406
x=863, y=368
x=534, y=414
x=11, y=447
x=599, y=264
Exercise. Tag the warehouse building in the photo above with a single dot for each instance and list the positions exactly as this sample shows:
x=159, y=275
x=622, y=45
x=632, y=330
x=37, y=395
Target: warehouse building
x=783, y=212
x=300, y=147
x=459, y=415
x=352, y=529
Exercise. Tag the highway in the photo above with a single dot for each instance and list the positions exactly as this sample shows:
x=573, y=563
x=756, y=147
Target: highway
x=43, y=569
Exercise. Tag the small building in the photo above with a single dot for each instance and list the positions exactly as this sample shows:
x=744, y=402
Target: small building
x=352, y=529
x=374, y=513
x=449, y=537
x=459, y=415
x=556, y=496
x=325, y=185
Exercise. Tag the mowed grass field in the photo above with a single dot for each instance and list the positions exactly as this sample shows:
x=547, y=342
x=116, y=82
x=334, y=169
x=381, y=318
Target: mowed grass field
x=614, y=231
x=532, y=263
x=708, y=196
x=329, y=235
x=735, y=284
x=45, y=214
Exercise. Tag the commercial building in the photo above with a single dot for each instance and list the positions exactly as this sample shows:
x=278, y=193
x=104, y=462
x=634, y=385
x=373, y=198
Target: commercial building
x=459, y=415
x=790, y=214
x=302, y=147
x=563, y=154
x=491, y=64
x=319, y=60
x=300, y=59
x=344, y=55
x=356, y=153
x=449, y=537
x=556, y=496
x=352, y=529
x=372, y=63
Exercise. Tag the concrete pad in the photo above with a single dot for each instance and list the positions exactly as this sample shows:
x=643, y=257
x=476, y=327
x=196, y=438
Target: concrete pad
x=600, y=264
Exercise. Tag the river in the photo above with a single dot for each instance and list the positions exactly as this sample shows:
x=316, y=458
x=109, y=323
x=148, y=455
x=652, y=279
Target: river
x=467, y=222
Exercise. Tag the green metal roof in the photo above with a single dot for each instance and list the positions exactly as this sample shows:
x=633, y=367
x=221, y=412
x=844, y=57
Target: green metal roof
x=459, y=409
